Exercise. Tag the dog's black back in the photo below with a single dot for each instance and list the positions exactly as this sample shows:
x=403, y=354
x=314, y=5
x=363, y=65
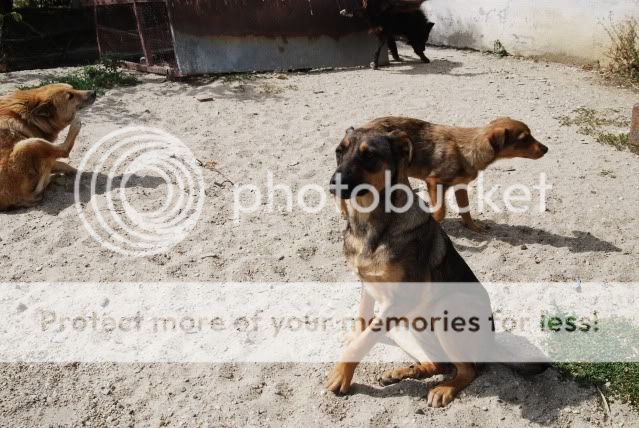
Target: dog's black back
x=413, y=27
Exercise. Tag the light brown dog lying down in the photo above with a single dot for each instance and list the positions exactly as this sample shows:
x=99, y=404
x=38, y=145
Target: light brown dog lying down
x=448, y=156
x=30, y=121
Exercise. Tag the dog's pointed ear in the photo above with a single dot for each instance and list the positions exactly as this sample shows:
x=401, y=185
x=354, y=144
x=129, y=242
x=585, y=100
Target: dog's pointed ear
x=45, y=110
x=497, y=137
x=401, y=145
x=429, y=26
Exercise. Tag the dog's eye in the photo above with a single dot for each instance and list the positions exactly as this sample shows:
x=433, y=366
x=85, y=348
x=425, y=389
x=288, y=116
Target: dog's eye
x=70, y=96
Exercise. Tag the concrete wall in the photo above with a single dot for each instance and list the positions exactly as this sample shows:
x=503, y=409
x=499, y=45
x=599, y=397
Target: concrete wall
x=572, y=30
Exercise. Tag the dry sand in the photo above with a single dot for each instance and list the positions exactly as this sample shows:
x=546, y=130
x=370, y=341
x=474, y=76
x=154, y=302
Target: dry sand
x=290, y=126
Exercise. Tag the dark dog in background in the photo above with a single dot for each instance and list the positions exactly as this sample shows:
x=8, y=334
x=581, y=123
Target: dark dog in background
x=397, y=19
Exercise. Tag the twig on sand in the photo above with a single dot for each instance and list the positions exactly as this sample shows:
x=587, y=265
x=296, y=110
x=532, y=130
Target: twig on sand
x=606, y=406
x=210, y=165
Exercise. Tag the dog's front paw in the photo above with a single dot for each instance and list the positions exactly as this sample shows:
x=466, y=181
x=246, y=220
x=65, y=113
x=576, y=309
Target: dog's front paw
x=441, y=395
x=340, y=378
x=374, y=66
x=76, y=124
x=475, y=227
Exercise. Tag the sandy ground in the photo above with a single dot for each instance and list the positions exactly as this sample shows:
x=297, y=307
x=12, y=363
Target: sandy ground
x=290, y=126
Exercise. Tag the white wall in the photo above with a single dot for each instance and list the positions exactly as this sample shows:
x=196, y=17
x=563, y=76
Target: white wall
x=572, y=29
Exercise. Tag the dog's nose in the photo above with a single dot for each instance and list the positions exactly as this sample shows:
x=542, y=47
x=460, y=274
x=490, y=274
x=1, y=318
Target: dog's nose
x=544, y=149
x=93, y=95
x=331, y=185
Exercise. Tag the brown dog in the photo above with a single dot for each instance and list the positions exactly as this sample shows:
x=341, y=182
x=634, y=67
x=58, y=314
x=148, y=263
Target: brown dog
x=30, y=121
x=446, y=156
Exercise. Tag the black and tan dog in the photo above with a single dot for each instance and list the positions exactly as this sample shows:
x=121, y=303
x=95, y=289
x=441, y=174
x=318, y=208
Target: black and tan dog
x=446, y=156
x=30, y=121
x=389, y=250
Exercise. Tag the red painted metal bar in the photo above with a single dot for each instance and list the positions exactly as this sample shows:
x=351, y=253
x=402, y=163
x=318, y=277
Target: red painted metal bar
x=97, y=28
x=147, y=57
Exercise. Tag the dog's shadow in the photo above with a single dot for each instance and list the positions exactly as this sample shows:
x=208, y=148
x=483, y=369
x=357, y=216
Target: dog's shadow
x=413, y=66
x=61, y=192
x=540, y=398
x=517, y=235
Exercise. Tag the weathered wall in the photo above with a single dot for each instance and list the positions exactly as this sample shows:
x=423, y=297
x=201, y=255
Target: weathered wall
x=219, y=36
x=201, y=55
x=564, y=29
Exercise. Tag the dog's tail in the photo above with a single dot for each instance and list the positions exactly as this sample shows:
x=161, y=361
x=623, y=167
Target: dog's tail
x=519, y=354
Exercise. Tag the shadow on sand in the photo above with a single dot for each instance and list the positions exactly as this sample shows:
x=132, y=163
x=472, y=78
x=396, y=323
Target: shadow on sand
x=517, y=235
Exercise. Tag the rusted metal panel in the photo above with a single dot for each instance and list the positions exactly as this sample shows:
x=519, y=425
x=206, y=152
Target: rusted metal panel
x=200, y=55
x=212, y=36
x=267, y=18
x=246, y=35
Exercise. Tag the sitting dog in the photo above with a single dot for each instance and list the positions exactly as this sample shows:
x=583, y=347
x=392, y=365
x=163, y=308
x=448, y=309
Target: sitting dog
x=30, y=121
x=396, y=255
x=393, y=19
x=446, y=156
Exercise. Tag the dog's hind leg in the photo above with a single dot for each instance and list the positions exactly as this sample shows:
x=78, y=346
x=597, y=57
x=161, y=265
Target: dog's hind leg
x=38, y=148
x=442, y=394
x=423, y=347
x=392, y=47
x=380, y=45
x=414, y=371
x=74, y=130
x=41, y=148
x=63, y=168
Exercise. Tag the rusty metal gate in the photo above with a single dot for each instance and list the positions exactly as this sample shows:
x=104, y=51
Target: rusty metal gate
x=189, y=37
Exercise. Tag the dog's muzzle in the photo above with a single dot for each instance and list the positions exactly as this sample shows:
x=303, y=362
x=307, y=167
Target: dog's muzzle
x=342, y=186
x=541, y=150
x=89, y=99
x=344, y=190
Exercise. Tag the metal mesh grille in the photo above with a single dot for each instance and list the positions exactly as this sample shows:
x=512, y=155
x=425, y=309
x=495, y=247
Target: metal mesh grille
x=138, y=32
x=154, y=20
